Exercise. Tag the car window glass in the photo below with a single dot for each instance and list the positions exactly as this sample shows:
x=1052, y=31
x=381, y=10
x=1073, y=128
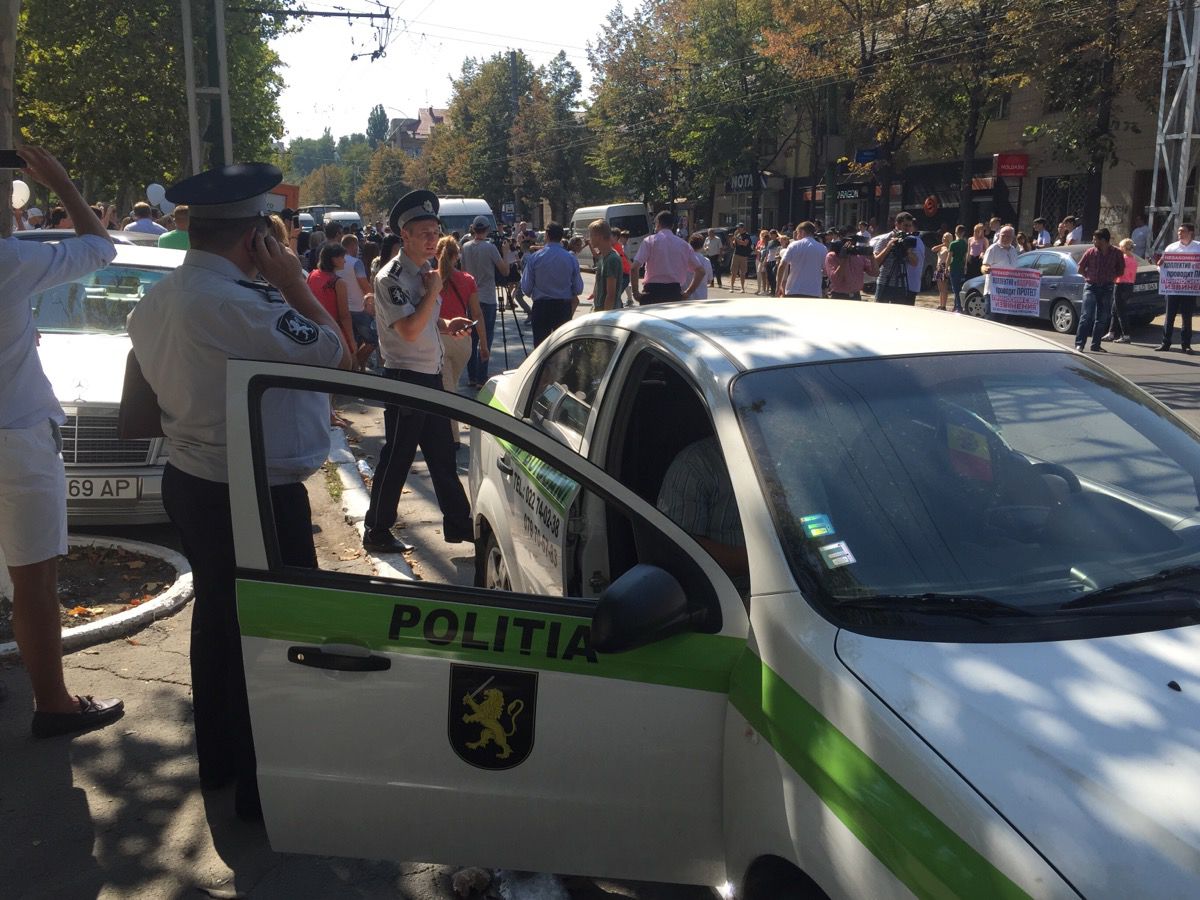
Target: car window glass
x=98, y=303
x=636, y=225
x=1028, y=260
x=534, y=530
x=667, y=452
x=564, y=393
x=1027, y=479
x=1050, y=264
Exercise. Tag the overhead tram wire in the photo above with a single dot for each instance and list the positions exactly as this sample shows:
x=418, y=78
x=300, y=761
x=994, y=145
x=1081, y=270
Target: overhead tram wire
x=1068, y=11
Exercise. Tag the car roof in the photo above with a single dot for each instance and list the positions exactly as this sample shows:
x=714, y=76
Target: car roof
x=759, y=333
x=58, y=234
x=151, y=257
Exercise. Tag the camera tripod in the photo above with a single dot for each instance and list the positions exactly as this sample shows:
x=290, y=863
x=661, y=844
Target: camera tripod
x=503, y=305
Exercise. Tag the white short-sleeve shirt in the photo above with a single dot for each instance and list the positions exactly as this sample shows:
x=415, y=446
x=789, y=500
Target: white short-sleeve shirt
x=188, y=326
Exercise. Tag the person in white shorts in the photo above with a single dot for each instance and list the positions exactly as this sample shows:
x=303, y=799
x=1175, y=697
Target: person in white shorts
x=33, y=489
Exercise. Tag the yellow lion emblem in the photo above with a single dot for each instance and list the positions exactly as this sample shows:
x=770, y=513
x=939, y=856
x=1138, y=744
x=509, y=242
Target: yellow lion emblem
x=487, y=714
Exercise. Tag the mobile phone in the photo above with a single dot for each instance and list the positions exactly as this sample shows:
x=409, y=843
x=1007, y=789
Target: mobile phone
x=468, y=326
x=11, y=159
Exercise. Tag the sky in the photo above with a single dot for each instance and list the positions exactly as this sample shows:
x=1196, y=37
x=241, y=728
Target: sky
x=429, y=41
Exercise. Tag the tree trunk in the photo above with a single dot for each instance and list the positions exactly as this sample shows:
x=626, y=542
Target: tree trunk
x=969, y=144
x=9, y=9
x=1102, y=135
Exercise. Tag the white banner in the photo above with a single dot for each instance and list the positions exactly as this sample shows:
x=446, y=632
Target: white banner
x=1016, y=292
x=1179, y=273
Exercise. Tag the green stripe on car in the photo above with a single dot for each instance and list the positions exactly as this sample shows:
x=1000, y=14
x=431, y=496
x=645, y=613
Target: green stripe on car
x=480, y=634
x=556, y=487
x=919, y=849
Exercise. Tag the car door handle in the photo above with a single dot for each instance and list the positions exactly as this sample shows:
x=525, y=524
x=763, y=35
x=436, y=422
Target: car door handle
x=344, y=662
x=504, y=465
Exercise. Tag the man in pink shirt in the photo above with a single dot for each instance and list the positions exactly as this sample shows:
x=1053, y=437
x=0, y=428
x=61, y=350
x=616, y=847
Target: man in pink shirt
x=668, y=259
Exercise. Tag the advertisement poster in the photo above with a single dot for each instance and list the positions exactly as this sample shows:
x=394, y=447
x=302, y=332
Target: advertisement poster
x=1016, y=292
x=1179, y=273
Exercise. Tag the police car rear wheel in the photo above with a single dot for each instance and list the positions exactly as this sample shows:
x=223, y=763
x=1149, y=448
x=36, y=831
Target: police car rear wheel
x=772, y=878
x=495, y=569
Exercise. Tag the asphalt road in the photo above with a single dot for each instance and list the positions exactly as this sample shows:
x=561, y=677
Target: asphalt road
x=117, y=813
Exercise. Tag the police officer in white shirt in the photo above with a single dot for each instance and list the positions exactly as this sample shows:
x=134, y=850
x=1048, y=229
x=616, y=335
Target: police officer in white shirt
x=202, y=314
x=408, y=315
x=33, y=484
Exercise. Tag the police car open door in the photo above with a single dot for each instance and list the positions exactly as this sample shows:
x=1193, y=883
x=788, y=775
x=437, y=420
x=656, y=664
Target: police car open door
x=437, y=721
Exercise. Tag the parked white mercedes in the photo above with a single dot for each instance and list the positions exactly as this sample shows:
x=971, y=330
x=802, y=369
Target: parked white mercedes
x=797, y=598
x=83, y=347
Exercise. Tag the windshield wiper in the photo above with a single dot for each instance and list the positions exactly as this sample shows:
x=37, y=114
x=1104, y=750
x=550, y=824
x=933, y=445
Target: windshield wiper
x=1153, y=587
x=938, y=604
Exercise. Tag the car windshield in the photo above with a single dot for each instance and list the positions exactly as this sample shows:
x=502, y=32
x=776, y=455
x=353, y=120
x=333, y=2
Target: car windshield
x=1023, y=480
x=637, y=225
x=98, y=303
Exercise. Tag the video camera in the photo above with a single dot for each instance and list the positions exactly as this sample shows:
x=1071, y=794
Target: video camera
x=904, y=240
x=852, y=245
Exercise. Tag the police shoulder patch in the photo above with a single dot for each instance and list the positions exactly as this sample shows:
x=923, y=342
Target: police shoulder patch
x=398, y=295
x=492, y=715
x=299, y=329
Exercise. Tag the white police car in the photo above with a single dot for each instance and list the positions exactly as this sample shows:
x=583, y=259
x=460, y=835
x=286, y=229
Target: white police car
x=946, y=647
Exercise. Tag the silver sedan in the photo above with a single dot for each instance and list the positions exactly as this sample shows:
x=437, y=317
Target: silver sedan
x=1062, y=288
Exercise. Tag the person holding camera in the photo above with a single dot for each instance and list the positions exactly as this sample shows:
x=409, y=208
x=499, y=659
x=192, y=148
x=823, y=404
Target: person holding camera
x=847, y=264
x=899, y=256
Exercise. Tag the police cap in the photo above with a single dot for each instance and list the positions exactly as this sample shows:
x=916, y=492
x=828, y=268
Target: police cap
x=231, y=192
x=413, y=206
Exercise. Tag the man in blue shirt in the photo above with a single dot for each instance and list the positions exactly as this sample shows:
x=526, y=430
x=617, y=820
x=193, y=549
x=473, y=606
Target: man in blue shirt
x=552, y=280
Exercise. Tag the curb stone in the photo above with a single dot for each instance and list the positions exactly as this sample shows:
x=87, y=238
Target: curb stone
x=127, y=622
x=355, y=501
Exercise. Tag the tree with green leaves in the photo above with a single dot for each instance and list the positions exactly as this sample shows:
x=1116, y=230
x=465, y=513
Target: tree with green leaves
x=872, y=50
x=980, y=62
x=1091, y=66
x=327, y=184
x=385, y=182
x=377, y=125
x=549, y=139
x=629, y=113
x=305, y=155
x=120, y=124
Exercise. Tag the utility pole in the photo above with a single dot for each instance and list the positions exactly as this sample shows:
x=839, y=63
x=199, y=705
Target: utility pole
x=216, y=88
x=512, y=68
x=1177, y=147
x=9, y=11
x=833, y=149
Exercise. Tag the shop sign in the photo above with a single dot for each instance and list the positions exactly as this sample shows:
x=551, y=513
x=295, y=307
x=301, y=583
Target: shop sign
x=1012, y=165
x=866, y=155
x=851, y=193
x=743, y=182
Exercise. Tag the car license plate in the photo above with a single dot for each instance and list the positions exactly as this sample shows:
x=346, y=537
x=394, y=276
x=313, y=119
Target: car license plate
x=1146, y=286
x=102, y=488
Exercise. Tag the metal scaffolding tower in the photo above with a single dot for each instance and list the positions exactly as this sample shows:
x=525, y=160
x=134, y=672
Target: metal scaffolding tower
x=1177, y=148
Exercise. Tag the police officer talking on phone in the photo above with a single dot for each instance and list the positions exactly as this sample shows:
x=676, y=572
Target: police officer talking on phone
x=408, y=315
x=210, y=310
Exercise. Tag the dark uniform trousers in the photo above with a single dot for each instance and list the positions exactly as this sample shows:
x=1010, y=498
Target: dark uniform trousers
x=546, y=315
x=661, y=292
x=404, y=430
x=200, y=510
x=1183, y=306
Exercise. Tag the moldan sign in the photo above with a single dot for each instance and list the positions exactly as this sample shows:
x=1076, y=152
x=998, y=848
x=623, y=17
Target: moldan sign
x=1011, y=165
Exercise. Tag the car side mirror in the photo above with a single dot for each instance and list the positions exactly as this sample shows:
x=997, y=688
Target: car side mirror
x=645, y=605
